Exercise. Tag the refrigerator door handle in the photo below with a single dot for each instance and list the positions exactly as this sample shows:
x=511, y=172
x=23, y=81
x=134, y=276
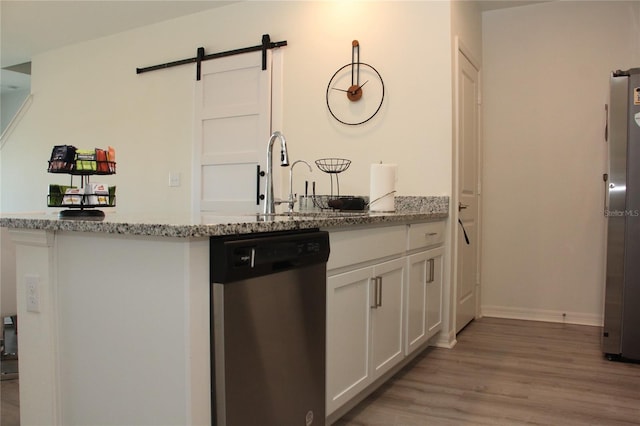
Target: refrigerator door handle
x=605, y=178
x=606, y=122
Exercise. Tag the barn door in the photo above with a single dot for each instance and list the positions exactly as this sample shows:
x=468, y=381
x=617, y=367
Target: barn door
x=233, y=116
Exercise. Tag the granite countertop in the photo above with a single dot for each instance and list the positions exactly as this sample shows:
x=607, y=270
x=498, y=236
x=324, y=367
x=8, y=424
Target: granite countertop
x=407, y=209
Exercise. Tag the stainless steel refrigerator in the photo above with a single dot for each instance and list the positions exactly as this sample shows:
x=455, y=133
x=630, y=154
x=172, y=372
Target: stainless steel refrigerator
x=621, y=331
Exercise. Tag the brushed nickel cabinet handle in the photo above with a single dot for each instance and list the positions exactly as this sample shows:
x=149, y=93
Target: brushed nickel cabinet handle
x=374, y=302
x=431, y=270
x=376, y=292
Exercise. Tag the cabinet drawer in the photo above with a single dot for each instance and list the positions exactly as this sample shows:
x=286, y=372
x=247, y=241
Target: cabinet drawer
x=367, y=244
x=425, y=234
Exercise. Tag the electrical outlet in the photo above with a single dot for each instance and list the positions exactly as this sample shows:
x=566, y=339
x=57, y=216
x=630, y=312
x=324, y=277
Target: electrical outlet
x=174, y=179
x=33, y=292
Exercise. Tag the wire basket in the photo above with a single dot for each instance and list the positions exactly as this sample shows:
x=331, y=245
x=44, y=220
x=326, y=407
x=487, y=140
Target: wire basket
x=333, y=165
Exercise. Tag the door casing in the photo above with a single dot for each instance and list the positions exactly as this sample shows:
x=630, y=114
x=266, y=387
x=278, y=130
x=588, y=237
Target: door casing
x=457, y=234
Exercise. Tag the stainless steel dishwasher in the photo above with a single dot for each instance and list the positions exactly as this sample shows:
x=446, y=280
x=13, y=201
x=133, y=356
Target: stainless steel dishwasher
x=268, y=297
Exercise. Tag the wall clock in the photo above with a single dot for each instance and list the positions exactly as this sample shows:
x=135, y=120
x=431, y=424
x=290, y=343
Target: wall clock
x=356, y=91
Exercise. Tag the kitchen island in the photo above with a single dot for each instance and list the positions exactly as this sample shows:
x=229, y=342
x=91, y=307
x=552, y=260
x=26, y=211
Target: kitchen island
x=114, y=314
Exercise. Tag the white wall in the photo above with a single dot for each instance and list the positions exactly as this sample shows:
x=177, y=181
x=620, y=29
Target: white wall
x=10, y=103
x=546, y=73
x=89, y=95
x=466, y=24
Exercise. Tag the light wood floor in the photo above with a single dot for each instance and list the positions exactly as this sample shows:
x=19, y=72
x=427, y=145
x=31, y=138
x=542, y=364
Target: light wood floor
x=9, y=385
x=501, y=372
x=9, y=405
x=509, y=372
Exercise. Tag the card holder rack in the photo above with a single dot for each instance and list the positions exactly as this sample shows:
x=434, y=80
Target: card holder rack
x=68, y=160
x=82, y=167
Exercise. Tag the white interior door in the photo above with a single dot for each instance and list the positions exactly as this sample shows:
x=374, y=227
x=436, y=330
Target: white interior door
x=467, y=272
x=232, y=123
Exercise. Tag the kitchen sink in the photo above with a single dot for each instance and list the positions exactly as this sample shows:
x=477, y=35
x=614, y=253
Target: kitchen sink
x=324, y=214
x=317, y=215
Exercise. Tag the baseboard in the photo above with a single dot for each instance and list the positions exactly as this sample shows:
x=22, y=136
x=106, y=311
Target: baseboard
x=444, y=340
x=579, y=318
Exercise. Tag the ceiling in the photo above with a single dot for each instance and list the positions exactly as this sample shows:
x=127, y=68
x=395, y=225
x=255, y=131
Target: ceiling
x=30, y=27
x=486, y=5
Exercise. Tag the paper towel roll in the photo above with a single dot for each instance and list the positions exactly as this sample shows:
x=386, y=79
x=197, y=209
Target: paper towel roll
x=382, y=188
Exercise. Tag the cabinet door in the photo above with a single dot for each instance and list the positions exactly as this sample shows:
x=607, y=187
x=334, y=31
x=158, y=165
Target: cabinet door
x=434, y=291
x=424, y=297
x=418, y=267
x=387, y=317
x=348, y=335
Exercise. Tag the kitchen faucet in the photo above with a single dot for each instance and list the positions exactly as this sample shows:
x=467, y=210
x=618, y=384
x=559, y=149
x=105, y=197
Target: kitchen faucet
x=269, y=202
x=292, y=200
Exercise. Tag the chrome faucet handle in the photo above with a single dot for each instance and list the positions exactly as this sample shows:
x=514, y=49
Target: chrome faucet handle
x=291, y=202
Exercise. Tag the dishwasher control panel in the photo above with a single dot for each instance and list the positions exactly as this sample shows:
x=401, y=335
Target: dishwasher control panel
x=238, y=257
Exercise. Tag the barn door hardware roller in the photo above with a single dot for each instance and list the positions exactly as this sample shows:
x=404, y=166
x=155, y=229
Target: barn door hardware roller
x=200, y=56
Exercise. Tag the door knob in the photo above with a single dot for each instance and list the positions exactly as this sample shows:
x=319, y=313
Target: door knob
x=462, y=206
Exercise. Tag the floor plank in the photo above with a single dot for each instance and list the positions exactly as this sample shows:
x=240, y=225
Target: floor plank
x=9, y=382
x=9, y=403
x=501, y=372
x=509, y=372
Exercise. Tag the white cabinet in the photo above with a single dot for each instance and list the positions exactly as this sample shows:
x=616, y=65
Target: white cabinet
x=424, y=297
x=423, y=235
x=365, y=320
x=348, y=337
x=387, y=316
x=425, y=264
x=384, y=300
x=365, y=245
x=434, y=292
x=365, y=308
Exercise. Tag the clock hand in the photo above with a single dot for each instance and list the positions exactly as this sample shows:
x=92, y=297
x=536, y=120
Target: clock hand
x=342, y=90
x=357, y=88
x=362, y=85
